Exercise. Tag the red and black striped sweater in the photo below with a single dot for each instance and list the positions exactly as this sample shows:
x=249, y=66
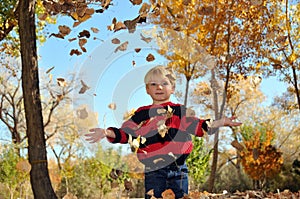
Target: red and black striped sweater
x=167, y=131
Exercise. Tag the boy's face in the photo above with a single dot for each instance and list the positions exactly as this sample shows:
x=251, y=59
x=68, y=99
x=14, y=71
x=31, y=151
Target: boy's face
x=160, y=89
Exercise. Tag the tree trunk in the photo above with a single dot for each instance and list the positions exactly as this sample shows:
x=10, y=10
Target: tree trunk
x=212, y=176
x=39, y=175
x=186, y=90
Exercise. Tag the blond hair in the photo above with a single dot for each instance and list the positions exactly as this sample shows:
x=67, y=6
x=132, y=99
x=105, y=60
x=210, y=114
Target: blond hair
x=160, y=70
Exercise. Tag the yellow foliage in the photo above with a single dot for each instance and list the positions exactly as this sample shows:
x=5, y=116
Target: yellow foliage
x=260, y=159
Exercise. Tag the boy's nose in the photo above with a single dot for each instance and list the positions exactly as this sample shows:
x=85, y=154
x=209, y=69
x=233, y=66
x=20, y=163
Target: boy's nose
x=159, y=86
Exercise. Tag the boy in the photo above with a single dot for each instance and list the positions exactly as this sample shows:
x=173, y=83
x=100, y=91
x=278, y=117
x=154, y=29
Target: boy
x=160, y=134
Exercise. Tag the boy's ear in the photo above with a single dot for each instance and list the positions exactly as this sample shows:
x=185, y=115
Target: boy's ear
x=147, y=90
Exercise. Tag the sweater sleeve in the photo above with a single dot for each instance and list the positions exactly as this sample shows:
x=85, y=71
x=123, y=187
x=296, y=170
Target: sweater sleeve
x=129, y=127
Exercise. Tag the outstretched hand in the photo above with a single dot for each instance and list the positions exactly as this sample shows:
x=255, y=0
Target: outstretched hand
x=229, y=121
x=225, y=121
x=96, y=135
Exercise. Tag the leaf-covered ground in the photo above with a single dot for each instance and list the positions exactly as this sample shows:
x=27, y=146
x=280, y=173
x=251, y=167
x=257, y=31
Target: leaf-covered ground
x=168, y=194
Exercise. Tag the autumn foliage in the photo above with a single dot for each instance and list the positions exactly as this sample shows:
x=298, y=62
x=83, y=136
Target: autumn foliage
x=260, y=159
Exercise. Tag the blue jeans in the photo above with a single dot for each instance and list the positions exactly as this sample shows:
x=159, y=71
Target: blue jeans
x=170, y=177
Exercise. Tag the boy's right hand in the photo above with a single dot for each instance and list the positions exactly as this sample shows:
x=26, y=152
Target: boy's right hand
x=96, y=135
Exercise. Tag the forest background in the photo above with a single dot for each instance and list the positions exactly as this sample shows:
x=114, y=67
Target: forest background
x=223, y=52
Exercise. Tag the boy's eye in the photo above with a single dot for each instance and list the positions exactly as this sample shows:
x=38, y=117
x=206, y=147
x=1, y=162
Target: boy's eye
x=165, y=84
x=153, y=84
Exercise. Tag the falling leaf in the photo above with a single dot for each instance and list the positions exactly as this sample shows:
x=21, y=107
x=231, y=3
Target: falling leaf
x=61, y=82
x=49, y=70
x=137, y=50
x=237, y=145
x=23, y=166
x=150, y=57
x=84, y=87
x=72, y=39
x=84, y=33
x=82, y=42
x=95, y=30
x=75, y=51
x=57, y=35
x=112, y=106
x=144, y=10
x=64, y=30
x=82, y=113
x=116, y=26
x=115, y=41
x=161, y=111
x=122, y=47
x=42, y=16
x=131, y=24
x=76, y=23
x=136, y=2
x=59, y=97
x=158, y=160
x=145, y=39
x=162, y=128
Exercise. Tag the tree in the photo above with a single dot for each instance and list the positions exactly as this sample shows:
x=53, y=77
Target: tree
x=280, y=52
x=39, y=175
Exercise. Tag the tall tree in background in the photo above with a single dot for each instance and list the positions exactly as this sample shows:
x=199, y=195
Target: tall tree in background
x=281, y=49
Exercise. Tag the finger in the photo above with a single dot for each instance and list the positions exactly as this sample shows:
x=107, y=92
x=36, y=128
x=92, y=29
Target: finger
x=92, y=130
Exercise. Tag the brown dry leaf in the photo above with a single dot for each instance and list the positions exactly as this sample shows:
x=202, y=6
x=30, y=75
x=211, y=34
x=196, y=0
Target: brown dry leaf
x=90, y=11
x=83, y=49
x=150, y=57
x=105, y=4
x=42, y=16
x=75, y=51
x=237, y=145
x=59, y=97
x=23, y=166
x=61, y=82
x=137, y=50
x=84, y=87
x=84, y=33
x=64, y=30
x=112, y=106
x=144, y=10
x=168, y=194
x=81, y=10
x=49, y=70
x=95, y=30
x=162, y=128
x=115, y=41
x=72, y=39
x=119, y=26
x=58, y=35
x=136, y=2
x=82, y=42
x=133, y=63
x=76, y=23
x=84, y=17
x=145, y=39
x=122, y=47
x=82, y=113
